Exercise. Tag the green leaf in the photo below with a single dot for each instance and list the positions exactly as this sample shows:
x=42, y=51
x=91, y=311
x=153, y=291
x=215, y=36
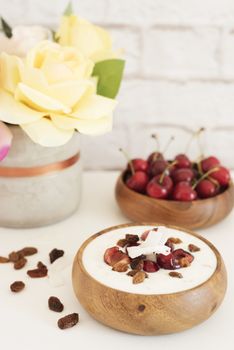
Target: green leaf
x=55, y=36
x=6, y=28
x=69, y=9
x=109, y=73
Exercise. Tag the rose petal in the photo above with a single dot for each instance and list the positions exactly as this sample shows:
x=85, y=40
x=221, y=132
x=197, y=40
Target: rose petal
x=5, y=140
x=94, y=107
x=14, y=112
x=84, y=126
x=39, y=101
x=45, y=133
x=9, y=67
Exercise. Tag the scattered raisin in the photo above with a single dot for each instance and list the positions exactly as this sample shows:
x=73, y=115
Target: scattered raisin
x=15, y=256
x=18, y=265
x=3, y=260
x=55, y=304
x=141, y=307
x=193, y=248
x=176, y=274
x=40, y=272
x=17, y=286
x=68, y=321
x=55, y=254
x=28, y=251
x=139, y=277
x=120, y=266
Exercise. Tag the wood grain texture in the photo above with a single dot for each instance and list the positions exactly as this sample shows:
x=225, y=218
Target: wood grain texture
x=148, y=314
x=193, y=215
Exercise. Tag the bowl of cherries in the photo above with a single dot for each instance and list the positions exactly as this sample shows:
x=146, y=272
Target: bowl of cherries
x=191, y=194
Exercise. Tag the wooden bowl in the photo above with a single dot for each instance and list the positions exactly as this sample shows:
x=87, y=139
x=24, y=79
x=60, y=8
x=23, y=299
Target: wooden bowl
x=193, y=215
x=148, y=314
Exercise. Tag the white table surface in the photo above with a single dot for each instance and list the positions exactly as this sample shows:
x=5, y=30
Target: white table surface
x=25, y=321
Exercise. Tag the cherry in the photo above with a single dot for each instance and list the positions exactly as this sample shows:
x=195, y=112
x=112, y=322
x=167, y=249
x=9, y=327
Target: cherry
x=206, y=189
x=182, y=174
x=138, y=164
x=150, y=266
x=165, y=261
x=209, y=163
x=145, y=234
x=157, y=167
x=222, y=175
x=137, y=181
x=113, y=255
x=155, y=155
x=183, y=191
x=182, y=161
x=158, y=188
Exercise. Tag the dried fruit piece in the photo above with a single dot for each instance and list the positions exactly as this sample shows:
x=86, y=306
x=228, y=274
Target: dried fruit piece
x=176, y=274
x=137, y=263
x=3, y=260
x=131, y=239
x=68, y=321
x=139, y=277
x=17, y=286
x=15, y=256
x=55, y=254
x=150, y=266
x=132, y=273
x=28, y=251
x=18, y=265
x=174, y=240
x=55, y=304
x=193, y=248
x=181, y=258
x=184, y=262
x=122, y=243
x=40, y=272
x=120, y=266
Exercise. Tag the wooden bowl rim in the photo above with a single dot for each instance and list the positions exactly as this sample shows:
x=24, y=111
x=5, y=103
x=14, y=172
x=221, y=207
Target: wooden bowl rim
x=179, y=203
x=78, y=258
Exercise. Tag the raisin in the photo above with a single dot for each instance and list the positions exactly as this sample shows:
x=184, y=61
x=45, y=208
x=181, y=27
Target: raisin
x=15, y=256
x=28, y=251
x=122, y=243
x=17, y=286
x=193, y=248
x=68, y=321
x=139, y=277
x=131, y=239
x=132, y=273
x=55, y=304
x=120, y=266
x=174, y=240
x=55, y=254
x=40, y=272
x=141, y=307
x=137, y=263
x=20, y=264
x=175, y=274
x=3, y=260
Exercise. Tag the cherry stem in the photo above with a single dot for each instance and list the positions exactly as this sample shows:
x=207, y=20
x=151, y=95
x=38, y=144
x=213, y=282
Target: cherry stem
x=204, y=176
x=168, y=144
x=155, y=137
x=165, y=171
x=195, y=134
x=129, y=160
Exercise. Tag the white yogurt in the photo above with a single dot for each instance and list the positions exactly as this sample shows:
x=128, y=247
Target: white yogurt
x=202, y=267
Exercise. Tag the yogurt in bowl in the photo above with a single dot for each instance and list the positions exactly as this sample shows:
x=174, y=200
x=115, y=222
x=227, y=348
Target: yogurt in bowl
x=170, y=299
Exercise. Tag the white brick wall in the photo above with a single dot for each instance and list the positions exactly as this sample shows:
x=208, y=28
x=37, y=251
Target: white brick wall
x=179, y=73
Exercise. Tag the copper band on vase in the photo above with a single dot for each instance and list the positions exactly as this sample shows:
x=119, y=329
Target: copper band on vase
x=39, y=170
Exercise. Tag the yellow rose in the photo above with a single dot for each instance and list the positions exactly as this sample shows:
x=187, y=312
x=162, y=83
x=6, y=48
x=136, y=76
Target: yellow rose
x=51, y=93
x=92, y=41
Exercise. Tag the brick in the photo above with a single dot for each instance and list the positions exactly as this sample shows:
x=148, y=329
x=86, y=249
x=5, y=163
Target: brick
x=192, y=104
x=149, y=12
x=102, y=152
x=128, y=40
x=181, y=53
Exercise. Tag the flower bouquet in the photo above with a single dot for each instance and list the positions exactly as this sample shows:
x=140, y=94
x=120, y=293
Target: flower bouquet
x=53, y=86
